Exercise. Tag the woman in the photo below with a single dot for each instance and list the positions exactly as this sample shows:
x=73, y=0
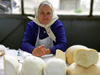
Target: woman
x=45, y=33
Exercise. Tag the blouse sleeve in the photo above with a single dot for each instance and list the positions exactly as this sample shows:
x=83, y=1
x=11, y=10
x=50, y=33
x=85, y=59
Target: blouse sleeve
x=61, y=40
x=28, y=39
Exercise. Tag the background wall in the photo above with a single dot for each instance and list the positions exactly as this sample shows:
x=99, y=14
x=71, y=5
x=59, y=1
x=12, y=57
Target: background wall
x=79, y=30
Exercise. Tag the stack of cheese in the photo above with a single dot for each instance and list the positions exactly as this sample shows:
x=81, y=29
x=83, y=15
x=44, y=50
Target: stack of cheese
x=84, y=62
x=82, y=59
x=70, y=52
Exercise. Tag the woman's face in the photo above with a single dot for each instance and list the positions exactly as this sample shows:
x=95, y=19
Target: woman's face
x=44, y=14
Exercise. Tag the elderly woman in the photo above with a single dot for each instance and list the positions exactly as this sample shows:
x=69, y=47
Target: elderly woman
x=45, y=33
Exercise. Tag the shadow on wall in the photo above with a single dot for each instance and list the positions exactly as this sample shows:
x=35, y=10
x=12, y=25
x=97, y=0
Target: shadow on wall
x=12, y=31
x=80, y=31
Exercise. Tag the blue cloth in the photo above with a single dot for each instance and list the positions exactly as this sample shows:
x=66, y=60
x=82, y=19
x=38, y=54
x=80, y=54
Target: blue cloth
x=31, y=32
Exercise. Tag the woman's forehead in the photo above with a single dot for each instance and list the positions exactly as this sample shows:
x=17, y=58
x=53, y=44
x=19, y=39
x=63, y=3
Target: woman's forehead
x=46, y=3
x=45, y=8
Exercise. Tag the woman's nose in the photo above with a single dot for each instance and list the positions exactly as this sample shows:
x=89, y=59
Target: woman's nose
x=45, y=15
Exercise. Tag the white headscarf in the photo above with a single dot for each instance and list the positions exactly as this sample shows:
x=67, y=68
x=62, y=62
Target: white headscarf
x=47, y=27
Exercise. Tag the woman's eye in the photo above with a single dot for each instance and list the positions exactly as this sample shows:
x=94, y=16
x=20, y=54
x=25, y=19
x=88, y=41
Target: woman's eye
x=42, y=13
x=48, y=13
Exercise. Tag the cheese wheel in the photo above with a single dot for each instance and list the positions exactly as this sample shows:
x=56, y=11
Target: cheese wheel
x=55, y=67
x=32, y=66
x=2, y=50
x=86, y=57
x=11, y=65
x=75, y=69
x=70, y=52
x=60, y=54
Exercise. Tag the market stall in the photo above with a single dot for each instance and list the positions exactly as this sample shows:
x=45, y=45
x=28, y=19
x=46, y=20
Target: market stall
x=20, y=57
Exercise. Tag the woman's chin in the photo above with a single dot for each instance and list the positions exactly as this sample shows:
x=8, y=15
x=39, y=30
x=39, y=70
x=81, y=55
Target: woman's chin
x=44, y=23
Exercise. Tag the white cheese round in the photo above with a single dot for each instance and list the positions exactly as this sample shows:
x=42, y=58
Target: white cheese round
x=75, y=69
x=86, y=57
x=32, y=66
x=55, y=67
x=11, y=65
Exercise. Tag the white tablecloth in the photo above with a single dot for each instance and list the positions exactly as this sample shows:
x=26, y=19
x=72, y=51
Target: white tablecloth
x=14, y=53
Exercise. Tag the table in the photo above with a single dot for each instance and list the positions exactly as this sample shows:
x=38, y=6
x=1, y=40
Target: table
x=23, y=55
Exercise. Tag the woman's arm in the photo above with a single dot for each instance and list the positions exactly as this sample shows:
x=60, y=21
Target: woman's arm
x=28, y=41
x=61, y=40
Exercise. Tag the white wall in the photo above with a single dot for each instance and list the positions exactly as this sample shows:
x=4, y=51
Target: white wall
x=55, y=3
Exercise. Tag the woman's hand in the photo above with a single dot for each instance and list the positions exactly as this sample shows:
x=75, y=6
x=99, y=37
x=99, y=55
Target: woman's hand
x=47, y=51
x=39, y=51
